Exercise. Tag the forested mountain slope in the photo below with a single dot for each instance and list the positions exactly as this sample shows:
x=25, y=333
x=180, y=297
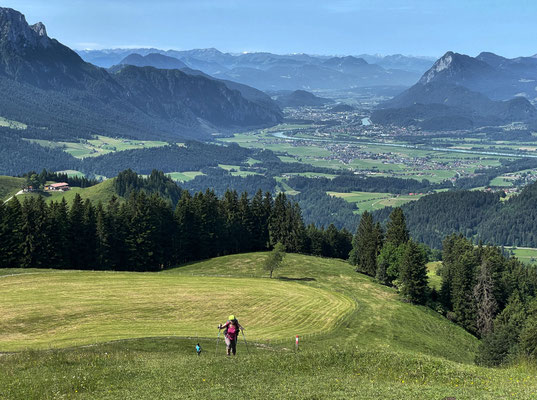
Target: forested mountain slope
x=48, y=86
x=482, y=216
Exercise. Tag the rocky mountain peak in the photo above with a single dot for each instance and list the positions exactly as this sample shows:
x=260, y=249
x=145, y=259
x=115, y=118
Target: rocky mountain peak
x=440, y=65
x=15, y=31
x=456, y=68
x=40, y=29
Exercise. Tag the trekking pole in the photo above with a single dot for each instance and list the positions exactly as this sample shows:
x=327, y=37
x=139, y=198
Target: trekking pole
x=245, y=342
x=216, y=348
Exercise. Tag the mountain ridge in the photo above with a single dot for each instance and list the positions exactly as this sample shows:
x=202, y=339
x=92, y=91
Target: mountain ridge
x=77, y=92
x=454, y=94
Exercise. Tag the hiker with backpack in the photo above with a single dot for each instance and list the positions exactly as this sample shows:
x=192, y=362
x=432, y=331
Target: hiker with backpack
x=231, y=333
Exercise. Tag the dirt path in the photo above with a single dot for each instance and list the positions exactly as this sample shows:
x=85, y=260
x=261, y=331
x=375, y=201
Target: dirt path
x=16, y=194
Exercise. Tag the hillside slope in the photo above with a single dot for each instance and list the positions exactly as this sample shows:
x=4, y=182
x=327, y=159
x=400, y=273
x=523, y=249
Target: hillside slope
x=378, y=348
x=481, y=216
x=360, y=313
x=9, y=186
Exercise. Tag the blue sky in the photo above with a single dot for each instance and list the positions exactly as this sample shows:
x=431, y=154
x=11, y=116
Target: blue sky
x=418, y=27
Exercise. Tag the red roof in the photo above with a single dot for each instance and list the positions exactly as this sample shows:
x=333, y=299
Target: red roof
x=58, y=185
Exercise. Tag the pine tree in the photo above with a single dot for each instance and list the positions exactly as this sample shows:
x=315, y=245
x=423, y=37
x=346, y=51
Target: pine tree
x=261, y=208
x=502, y=343
x=388, y=263
x=89, y=232
x=286, y=225
x=186, y=235
x=34, y=229
x=232, y=222
x=528, y=335
x=317, y=244
x=77, y=234
x=246, y=224
x=59, y=234
x=453, y=248
x=396, y=230
x=463, y=282
x=11, y=236
x=366, y=245
x=104, y=232
x=413, y=273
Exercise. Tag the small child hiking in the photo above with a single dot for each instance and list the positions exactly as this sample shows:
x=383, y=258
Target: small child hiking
x=198, y=349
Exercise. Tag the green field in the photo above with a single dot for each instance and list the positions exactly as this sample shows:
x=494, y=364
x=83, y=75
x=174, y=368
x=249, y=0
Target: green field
x=435, y=281
x=388, y=157
x=358, y=340
x=501, y=181
x=71, y=173
x=101, y=306
x=235, y=170
x=371, y=201
x=102, y=192
x=525, y=254
x=9, y=186
x=7, y=123
x=99, y=145
x=184, y=176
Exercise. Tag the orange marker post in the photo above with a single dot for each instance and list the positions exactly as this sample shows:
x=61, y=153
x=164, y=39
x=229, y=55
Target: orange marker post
x=296, y=343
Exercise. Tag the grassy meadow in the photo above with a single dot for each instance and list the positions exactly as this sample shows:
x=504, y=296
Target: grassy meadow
x=119, y=335
x=184, y=176
x=371, y=201
x=102, y=192
x=99, y=145
x=525, y=254
x=7, y=123
x=9, y=186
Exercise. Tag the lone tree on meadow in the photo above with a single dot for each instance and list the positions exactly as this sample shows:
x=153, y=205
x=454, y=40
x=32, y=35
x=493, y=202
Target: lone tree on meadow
x=274, y=259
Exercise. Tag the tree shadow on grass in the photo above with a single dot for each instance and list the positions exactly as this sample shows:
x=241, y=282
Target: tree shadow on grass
x=285, y=278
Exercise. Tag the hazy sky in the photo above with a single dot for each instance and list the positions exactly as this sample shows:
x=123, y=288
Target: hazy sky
x=419, y=27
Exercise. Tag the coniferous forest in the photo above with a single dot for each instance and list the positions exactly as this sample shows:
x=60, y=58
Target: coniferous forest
x=147, y=233
x=153, y=224
x=483, y=290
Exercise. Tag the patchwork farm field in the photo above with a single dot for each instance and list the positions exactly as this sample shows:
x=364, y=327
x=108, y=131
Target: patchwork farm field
x=436, y=161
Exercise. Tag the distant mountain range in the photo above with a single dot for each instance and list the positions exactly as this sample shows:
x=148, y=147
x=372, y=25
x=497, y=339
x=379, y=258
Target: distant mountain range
x=47, y=86
x=399, y=61
x=462, y=92
x=267, y=71
x=161, y=61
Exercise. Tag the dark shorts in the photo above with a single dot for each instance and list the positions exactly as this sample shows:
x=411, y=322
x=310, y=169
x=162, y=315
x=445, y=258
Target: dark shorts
x=231, y=344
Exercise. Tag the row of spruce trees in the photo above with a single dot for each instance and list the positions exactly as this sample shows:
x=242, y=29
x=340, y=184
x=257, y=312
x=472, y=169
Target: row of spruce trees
x=146, y=232
x=484, y=290
x=392, y=257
